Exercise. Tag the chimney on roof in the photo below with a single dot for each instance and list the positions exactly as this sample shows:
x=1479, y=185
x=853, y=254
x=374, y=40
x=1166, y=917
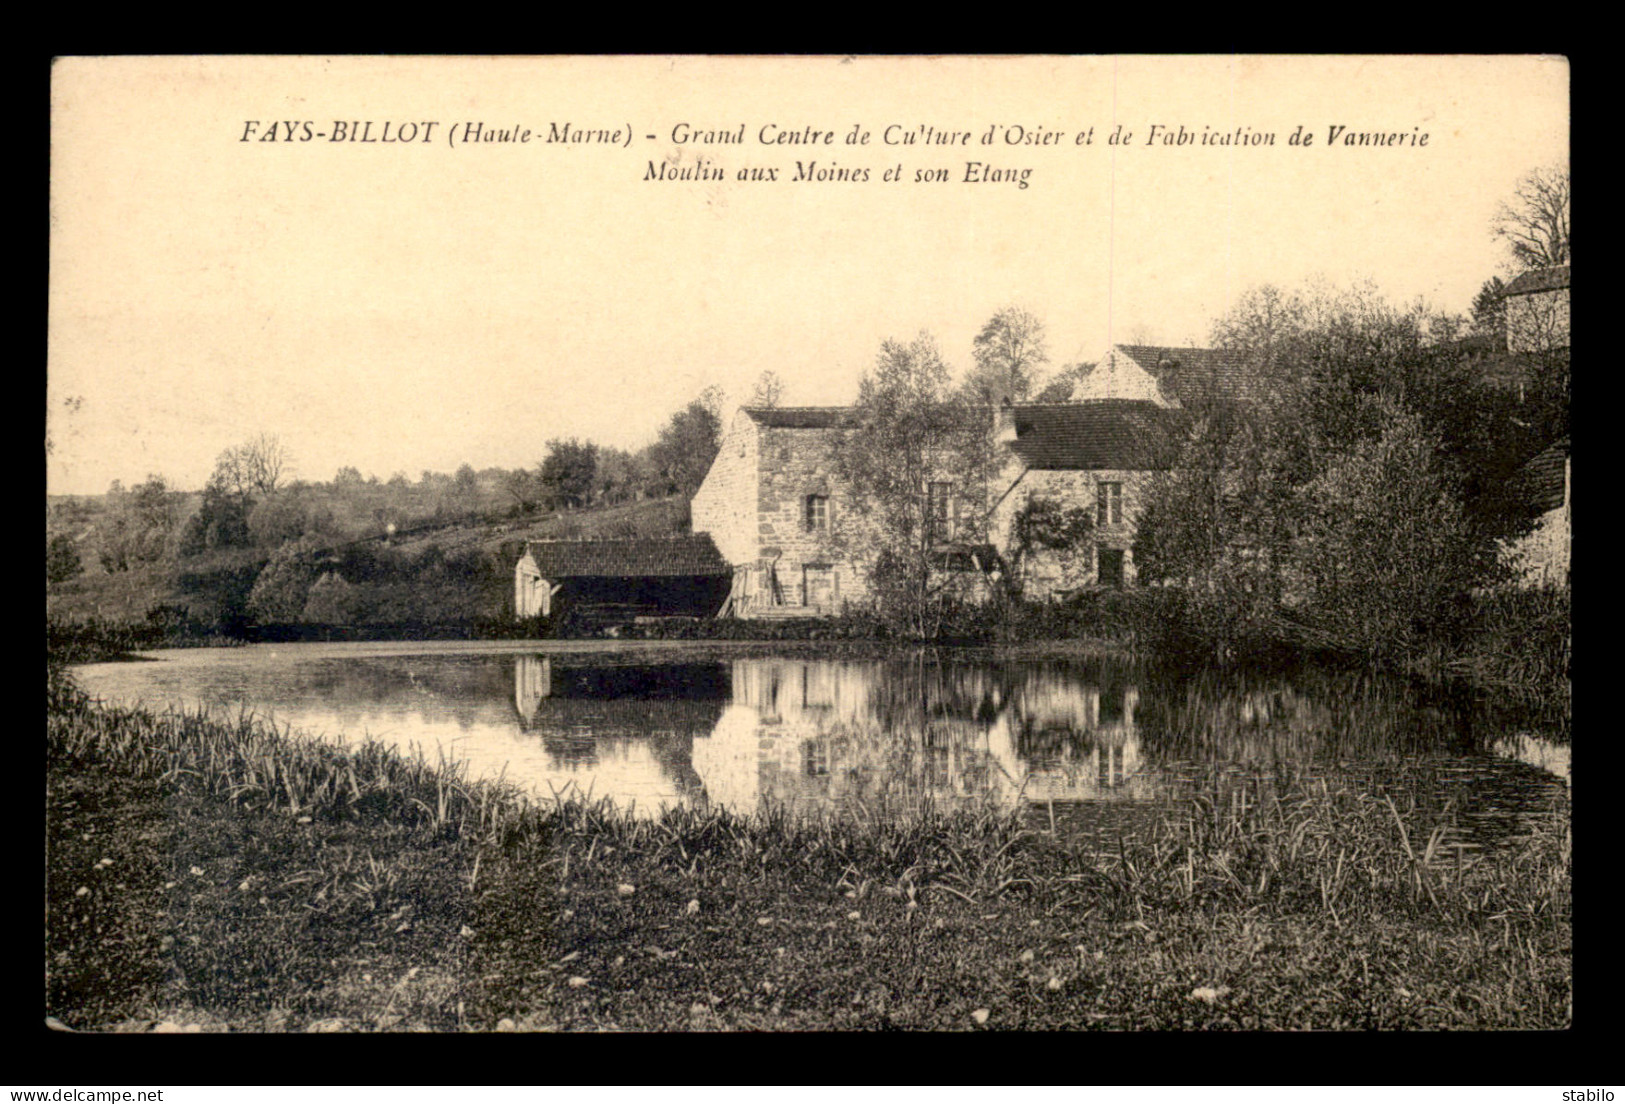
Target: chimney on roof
x=1004, y=422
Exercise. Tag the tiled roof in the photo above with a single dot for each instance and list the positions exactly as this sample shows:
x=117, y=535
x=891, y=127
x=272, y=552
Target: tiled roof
x=1539, y=279
x=565, y=559
x=1126, y=434
x=1192, y=374
x=799, y=417
x=1540, y=481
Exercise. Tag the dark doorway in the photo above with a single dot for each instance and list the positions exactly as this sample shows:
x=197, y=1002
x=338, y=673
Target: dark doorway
x=1111, y=567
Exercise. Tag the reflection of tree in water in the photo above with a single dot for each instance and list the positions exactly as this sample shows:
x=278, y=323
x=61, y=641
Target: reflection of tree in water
x=457, y=687
x=1439, y=753
x=1057, y=714
x=1062, y=736
x=1051, y=735
x=838, y=734
x=1308, y=716
x=387, y=678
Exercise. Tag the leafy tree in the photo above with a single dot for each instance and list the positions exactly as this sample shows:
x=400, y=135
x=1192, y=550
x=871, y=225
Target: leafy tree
x=568, y=473
x=1330, y=498
x=682, y=455
x=221, y=520
x=619, y=476
x=1329, y=351
x=1064, y=382
x=333, y=601
x=1310, y=356
x=288, y=516
x=1213, y=525
x=1383, y=545
x=1490, y=309
x=1534, y=223
x=153, y=506
x=1009, y=351
x=136, y=526
x=283, y=585
x=61, y=560
x=348, y=477
x=917, y=457
x=113, y=530
x=521, y=487
x=1266, y=325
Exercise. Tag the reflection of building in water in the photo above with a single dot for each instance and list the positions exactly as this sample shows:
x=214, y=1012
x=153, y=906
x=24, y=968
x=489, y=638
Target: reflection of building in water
x=823, y=734
x=816, y=734
x=622, y=732
x=1076, y=741
x=532, y=681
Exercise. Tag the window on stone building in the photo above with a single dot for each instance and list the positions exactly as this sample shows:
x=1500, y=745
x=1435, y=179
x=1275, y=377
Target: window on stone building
x=814, y=760
x=818, y=512
x=1108, y=503
x=939, y=513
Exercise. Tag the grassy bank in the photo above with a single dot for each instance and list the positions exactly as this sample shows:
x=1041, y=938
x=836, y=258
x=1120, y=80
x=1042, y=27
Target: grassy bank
x=92, y=639
x=1519, y=643
x=215, y=873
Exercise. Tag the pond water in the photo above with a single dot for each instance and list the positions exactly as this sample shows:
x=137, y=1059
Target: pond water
x=1090, y=746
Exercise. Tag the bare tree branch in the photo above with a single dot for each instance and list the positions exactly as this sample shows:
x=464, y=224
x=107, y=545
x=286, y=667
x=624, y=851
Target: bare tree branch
x=1535, y=222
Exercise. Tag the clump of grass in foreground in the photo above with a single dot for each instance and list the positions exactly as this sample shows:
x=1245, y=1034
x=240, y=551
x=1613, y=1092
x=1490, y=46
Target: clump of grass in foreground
x=1347, y=854
x=304, y=884
x=1324, y=909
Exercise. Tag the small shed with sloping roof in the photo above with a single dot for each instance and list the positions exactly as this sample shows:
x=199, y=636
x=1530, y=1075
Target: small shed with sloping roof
x=621, y=579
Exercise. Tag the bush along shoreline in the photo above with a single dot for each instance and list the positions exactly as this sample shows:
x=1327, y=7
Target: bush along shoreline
x=216, y=873
x=1508, y=642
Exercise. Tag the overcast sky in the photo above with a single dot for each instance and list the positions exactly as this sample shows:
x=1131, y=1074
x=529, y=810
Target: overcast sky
x=401, y=307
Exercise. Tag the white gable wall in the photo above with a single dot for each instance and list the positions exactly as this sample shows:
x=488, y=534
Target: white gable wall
x=1118, y=376
x=725, y=504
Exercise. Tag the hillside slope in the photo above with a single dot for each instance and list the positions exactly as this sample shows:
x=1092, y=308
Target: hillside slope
x=398, y=578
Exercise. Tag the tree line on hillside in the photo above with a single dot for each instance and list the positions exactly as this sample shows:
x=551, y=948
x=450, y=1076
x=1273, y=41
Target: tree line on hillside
x=251, y=504
x=577, y=474
x=368, y=584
